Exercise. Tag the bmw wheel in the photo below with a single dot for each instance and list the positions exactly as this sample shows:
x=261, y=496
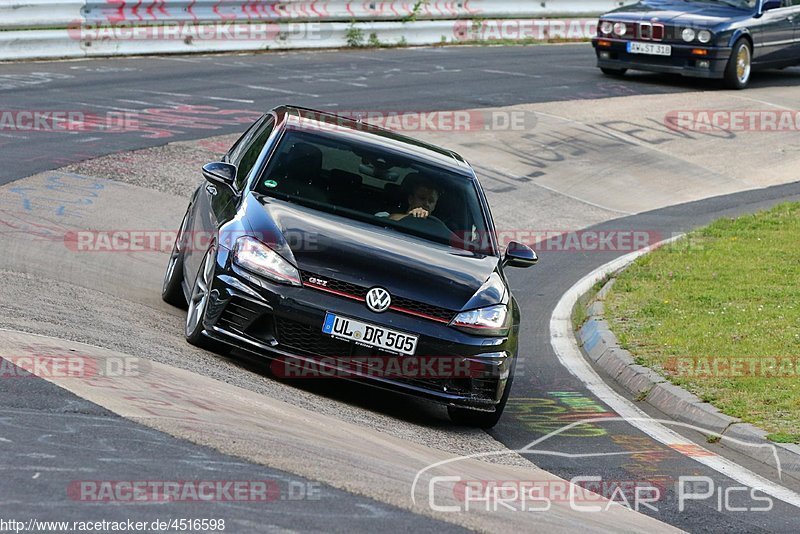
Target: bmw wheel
x=737, y=72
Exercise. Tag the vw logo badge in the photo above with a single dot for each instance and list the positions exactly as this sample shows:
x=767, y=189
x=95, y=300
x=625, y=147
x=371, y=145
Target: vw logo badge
x=378, y=299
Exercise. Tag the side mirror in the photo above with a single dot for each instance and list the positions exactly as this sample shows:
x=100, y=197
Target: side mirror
x=220, y=173
x=519, y=255
x=770, y=4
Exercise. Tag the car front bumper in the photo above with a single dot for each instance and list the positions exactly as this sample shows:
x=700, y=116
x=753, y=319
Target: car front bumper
x=284, y=323
x=682, y=61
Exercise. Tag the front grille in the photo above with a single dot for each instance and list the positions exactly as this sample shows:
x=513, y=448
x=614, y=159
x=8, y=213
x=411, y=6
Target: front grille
x=420, y=307
x=651, y=31
x=296, y=336
x=399, y=304
x=305, y=338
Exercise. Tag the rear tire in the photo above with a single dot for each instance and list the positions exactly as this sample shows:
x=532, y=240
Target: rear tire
x=172, y=289
x=613, y=72
x=739, y=67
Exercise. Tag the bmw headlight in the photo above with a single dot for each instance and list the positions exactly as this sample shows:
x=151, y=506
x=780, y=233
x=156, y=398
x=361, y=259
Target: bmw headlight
x=620, y=28
x=492, y=320
x=606, y=27
x=704, y=36
x=258, y=258
x=688, y=35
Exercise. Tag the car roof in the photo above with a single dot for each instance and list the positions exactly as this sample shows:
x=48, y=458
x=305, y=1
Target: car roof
x=306, y=118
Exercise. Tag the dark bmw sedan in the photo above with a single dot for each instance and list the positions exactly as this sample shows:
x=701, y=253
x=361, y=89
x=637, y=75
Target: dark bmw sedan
x=342, y=249
x=724, y=39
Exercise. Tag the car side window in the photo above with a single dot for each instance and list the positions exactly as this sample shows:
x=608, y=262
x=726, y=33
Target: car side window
x=246, y=153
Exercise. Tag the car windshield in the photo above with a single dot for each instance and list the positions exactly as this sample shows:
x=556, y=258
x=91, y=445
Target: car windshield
x=371, y=183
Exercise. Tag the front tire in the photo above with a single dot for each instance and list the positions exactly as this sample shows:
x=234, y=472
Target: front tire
x=739, y=67
x=198, y=304
x=613, y=72
x=484, y=420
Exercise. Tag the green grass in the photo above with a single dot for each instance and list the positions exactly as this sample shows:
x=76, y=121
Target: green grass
x=579, y=313
x=729, y=290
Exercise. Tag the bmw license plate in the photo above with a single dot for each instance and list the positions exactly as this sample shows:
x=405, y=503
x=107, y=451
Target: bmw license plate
x=369, y=335
x=652, y=49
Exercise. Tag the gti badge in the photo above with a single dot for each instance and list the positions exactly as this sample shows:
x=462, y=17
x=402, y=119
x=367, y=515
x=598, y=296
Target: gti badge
x=378, y=299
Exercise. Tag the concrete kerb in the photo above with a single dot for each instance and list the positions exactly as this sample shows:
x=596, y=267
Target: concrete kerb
x=600, y=345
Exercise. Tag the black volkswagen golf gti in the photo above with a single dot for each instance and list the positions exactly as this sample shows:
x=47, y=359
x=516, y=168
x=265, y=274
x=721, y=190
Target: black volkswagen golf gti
x=329, y=244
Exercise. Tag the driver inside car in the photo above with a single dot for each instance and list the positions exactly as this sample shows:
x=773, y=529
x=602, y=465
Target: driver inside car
x=422, y=200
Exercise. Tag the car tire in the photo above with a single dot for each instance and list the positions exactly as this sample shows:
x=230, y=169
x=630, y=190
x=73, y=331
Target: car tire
x=613, y=72
x=198, y=304
x=172, y=289
x=484, y=420
x=739, y=67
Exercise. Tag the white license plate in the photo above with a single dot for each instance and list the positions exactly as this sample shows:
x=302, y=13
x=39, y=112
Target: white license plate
x=369, y=334
x=649, y=48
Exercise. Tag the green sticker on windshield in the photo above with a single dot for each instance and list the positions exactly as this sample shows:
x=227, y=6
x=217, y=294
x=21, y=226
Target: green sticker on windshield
x=270, y=183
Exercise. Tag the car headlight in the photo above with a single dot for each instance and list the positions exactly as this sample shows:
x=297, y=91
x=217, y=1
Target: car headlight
x=492, y=320
x=258, y=258
x=606, y=27
x=620, y=28
x=688, y=35
x=704, y=36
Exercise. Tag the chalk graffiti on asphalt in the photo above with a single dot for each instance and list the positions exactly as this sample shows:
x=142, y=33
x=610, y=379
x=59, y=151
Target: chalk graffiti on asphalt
x=60, y=195
x=545, y=415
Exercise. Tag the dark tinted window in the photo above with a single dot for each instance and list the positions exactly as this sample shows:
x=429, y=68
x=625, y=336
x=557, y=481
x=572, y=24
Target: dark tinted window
x=245, y=154
x=356, y=179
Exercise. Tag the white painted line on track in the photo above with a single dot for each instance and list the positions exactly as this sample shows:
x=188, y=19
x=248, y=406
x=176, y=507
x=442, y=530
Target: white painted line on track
x=345, y=82
x=160, y=92
x=507, y=73
x=223, y=99
x=779, y=106
x=139, y=102
x=569, y=354
x=185, y=95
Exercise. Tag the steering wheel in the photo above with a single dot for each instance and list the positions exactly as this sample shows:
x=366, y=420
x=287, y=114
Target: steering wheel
x=430, y=224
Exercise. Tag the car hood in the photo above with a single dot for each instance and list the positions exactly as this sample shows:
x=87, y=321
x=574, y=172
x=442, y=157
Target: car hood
x=335, y=247
x=696, y=13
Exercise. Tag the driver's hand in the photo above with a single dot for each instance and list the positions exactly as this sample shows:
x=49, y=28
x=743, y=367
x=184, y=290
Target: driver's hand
x=419, y=212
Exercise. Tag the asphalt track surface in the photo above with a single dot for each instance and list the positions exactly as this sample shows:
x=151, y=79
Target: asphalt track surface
x=383, y=80
x=420, y=79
